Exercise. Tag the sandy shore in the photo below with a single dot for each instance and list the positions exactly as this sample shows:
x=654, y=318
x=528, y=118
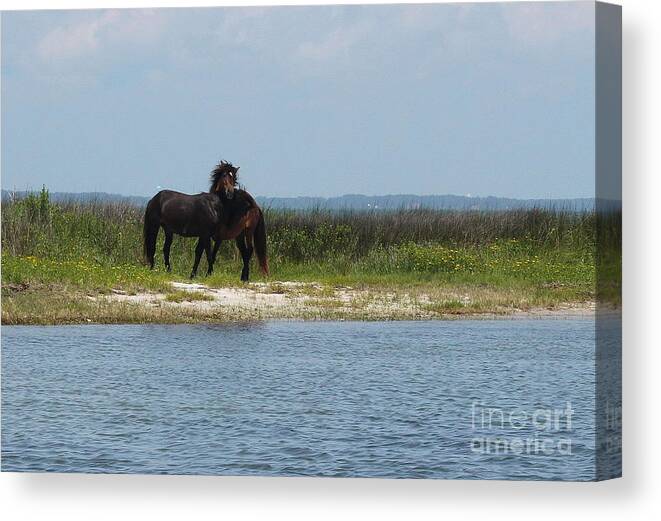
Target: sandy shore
x=297, y=300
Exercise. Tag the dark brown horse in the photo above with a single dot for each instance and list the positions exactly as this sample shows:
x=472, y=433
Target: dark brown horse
x=243, y=221
x=189, y=216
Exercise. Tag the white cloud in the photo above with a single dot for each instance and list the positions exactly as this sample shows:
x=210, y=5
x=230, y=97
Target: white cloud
x=336, y=43
x=544, y=24
x=70, y=42
x=244, y=27
x=112, y=30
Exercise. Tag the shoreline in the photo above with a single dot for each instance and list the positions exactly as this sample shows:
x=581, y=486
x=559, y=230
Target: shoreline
x=546, y=315
x=195, y=303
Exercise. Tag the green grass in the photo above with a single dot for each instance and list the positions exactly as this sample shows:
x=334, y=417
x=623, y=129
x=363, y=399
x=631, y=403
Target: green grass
x=524, y=256
x=187, y=296
x=81, y=273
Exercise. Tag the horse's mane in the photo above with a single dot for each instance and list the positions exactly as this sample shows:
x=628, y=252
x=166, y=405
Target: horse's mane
x=219, y=170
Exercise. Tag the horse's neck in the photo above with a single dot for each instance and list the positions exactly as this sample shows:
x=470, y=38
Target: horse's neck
x=217, y=201
x=222, y=196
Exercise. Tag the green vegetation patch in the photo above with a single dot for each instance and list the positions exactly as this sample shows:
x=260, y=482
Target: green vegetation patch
x=80, y=273
x=519, y=257
x=187, y=296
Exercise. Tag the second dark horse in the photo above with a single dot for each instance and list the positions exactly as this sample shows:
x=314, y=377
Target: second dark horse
x=223, y=213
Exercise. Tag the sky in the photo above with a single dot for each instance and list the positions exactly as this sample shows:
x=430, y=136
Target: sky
x=468, y=99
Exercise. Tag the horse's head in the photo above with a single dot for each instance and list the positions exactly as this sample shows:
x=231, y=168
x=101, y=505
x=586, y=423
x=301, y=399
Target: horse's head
x=224, y=179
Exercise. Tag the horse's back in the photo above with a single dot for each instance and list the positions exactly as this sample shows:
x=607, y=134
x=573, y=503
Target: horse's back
x=188, y=215
x=248, y=199
x=165, y=195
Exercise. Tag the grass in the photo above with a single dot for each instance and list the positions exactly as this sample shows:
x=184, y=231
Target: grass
x=81, y=273
x=187, y=296
x=52, y=254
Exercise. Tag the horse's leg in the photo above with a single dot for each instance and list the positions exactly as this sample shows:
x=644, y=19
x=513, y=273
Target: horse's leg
x=244, y=243
x=241, y=246
x=210, y=256
x=198, y=255
x=150, y=249
x=166, y=249
x=216, y=247
x=250, y=248
x=150, y=230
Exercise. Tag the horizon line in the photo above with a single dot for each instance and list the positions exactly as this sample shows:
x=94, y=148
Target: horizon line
x=466, y=196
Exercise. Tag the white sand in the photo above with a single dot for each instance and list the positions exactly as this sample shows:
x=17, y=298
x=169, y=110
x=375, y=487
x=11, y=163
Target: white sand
x=310, y=300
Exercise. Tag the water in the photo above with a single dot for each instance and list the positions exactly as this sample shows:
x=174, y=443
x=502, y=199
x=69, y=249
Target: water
x=442, y=399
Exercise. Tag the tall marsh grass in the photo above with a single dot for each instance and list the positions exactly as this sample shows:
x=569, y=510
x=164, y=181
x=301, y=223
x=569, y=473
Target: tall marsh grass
x=536, y=244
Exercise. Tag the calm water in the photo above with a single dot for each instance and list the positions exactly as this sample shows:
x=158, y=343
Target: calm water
x=443, y=399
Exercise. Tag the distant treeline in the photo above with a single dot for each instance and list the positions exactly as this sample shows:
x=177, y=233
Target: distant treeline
x=354, y=202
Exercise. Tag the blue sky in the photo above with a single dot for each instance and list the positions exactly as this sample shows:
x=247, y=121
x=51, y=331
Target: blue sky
x=481, y=99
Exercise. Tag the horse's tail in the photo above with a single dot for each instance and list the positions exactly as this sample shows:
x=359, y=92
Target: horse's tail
x=150, y=229
x=260, y=243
